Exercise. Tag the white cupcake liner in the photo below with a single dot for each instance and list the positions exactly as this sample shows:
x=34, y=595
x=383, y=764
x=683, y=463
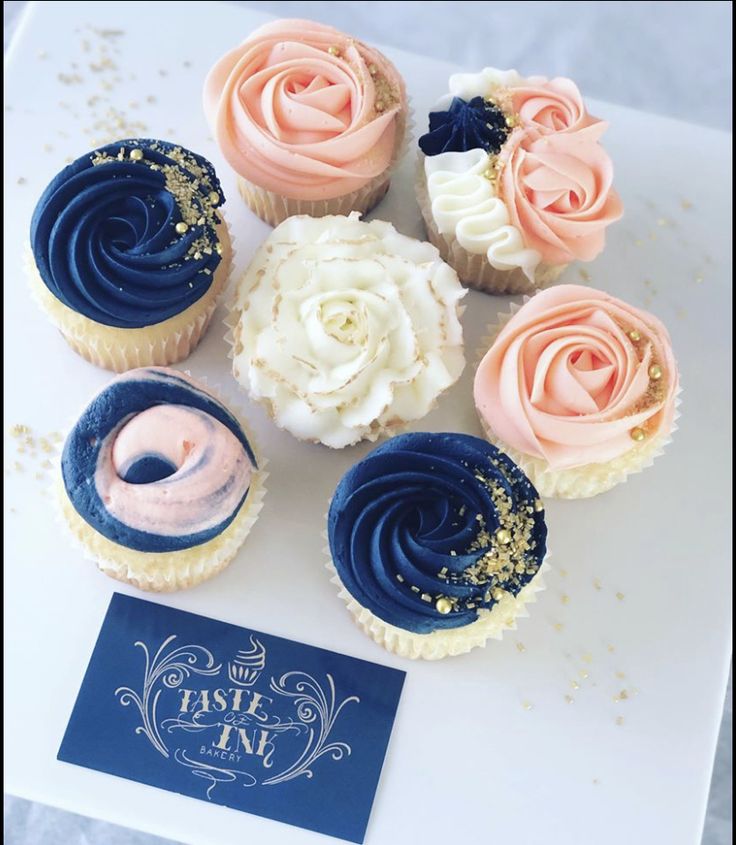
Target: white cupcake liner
x=585, y=481
x=474, y=269
x=273, y=208
x=118, y=349
x=164, y=571
x=448, y=642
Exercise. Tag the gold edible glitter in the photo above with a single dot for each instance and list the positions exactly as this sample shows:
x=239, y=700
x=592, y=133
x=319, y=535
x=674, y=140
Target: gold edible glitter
x=19, y=430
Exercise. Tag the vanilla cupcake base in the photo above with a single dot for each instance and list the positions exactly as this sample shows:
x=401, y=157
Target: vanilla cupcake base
x=274, y=208
x=447, y=642
x=588, y=480
x=120, y=349
x=473, y=269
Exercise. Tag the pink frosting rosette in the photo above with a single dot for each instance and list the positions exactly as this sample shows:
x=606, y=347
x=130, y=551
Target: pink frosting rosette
x=577, y=377
x=558, y=191
x=555, y=105
x=302, y=110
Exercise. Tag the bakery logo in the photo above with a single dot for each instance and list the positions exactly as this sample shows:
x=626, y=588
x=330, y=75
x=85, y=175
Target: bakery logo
x=241, y=725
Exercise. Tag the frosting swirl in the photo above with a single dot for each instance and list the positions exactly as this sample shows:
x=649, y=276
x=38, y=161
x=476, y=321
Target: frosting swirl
x=157, y=464
x=345, y=328
x=465, y=126
x=575, y=375
x=558, y=190
x=107, y=232
x=464, y=204
x=431, y=530
x=303, y=110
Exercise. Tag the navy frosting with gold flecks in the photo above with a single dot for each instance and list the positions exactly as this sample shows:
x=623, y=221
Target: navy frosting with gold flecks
x=419, y=520
x=104, y=234
x=477, y=124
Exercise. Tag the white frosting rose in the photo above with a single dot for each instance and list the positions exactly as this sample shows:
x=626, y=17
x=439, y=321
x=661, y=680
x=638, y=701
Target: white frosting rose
x=345, y=328
x=465, y=204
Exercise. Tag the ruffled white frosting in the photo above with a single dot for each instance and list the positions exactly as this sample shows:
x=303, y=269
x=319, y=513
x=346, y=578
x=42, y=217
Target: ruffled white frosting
x=465, y=205
x=485, y=82
x=345, y=328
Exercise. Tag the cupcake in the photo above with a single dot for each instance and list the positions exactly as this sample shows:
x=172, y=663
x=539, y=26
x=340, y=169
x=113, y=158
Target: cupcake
x=310, y=119
x=130, y=252
x=437, y=541
x=346, y=330
x=579, y=388
x=159, y=481
x=512, y=182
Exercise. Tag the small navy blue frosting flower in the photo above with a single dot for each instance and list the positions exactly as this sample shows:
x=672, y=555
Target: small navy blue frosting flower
x=127, y=235
x=430, y=529
x=478, y=124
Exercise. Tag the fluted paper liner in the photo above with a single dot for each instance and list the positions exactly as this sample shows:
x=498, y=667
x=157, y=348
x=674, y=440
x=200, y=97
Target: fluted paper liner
x=447, y=642
x=474, y=269
x=585, y=481
x=165, y=571
x=274, y=208
x=120, y=349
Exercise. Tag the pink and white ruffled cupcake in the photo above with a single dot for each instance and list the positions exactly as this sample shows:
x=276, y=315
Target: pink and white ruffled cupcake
x=312, y=120
x=513, y=182
x=579, y=388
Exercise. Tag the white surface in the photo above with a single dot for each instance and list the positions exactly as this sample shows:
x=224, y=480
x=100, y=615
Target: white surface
x=462, y=739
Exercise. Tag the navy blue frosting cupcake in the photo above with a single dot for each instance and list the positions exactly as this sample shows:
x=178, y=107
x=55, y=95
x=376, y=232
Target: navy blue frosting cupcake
x=437, y=541
x=130, y=252
x=159, y=480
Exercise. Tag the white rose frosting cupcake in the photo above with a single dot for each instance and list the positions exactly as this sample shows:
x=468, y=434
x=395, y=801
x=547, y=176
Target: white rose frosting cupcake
x=513, y=183
x=346, y=329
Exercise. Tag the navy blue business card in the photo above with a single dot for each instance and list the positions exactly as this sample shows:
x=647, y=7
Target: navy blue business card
x=235, y=717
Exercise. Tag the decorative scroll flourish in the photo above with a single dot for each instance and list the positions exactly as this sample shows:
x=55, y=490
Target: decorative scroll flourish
x=315, y=709
x=169, y=669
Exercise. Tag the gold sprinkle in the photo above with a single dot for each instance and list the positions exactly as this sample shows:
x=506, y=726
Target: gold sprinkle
x=637, y=434
x=214, y=197
x=181, y=227
x=583, y=674
x=639, y=242
x=443, y=605
x=623, y=695
x=686, y=205
x=47, y=148
x=574, y=684
x=569, y=699
x=634, y=335
x=520, y=647
x=218, y=248
x=588, y=657
x=18, y=430
x=619, y=720
x=620, y=675
x=511, y=121
x=564, y=598
x=372, y=69
x=379, y=105
x=136, y=155
x=655, y=372
x=333, y=51
x=503, y=536
x=527, y=705
x=620, y=596
x=597, y=584
x=538, y=505
x=584, y=274
x=563, y=573
x=18, y=466
x=663, y=221
x=611, y=649
x=558, y=626
x=47, y=464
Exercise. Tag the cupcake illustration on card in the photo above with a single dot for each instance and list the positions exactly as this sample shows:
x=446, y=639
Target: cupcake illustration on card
x=246, y=667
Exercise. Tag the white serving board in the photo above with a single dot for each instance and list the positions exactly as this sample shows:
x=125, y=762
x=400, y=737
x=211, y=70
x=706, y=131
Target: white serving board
x=466, y=758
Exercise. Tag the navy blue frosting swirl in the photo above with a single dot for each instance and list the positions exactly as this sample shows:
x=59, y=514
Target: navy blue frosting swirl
x=126, y=396
x=104, y=233
x=430, y=521
x=477, y=124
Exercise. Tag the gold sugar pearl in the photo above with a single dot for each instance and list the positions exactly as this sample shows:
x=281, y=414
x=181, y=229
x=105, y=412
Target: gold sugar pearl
x=333, y=51
x=379, y=105
x=218, y=248
x=214, y=197
x=372, y=69
x=638, y=434
x=538, y=505
x=634, y=335
x=510, y=122
x=136, y=155
x=503, y=536
x=181, y=227
x=655, y=372
x=498, y=594
x=443, y=605
x=490, y=174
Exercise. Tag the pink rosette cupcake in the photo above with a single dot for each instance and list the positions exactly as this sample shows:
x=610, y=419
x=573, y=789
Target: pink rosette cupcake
x=513, y=182
x=579, y=388
x=311, y=120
